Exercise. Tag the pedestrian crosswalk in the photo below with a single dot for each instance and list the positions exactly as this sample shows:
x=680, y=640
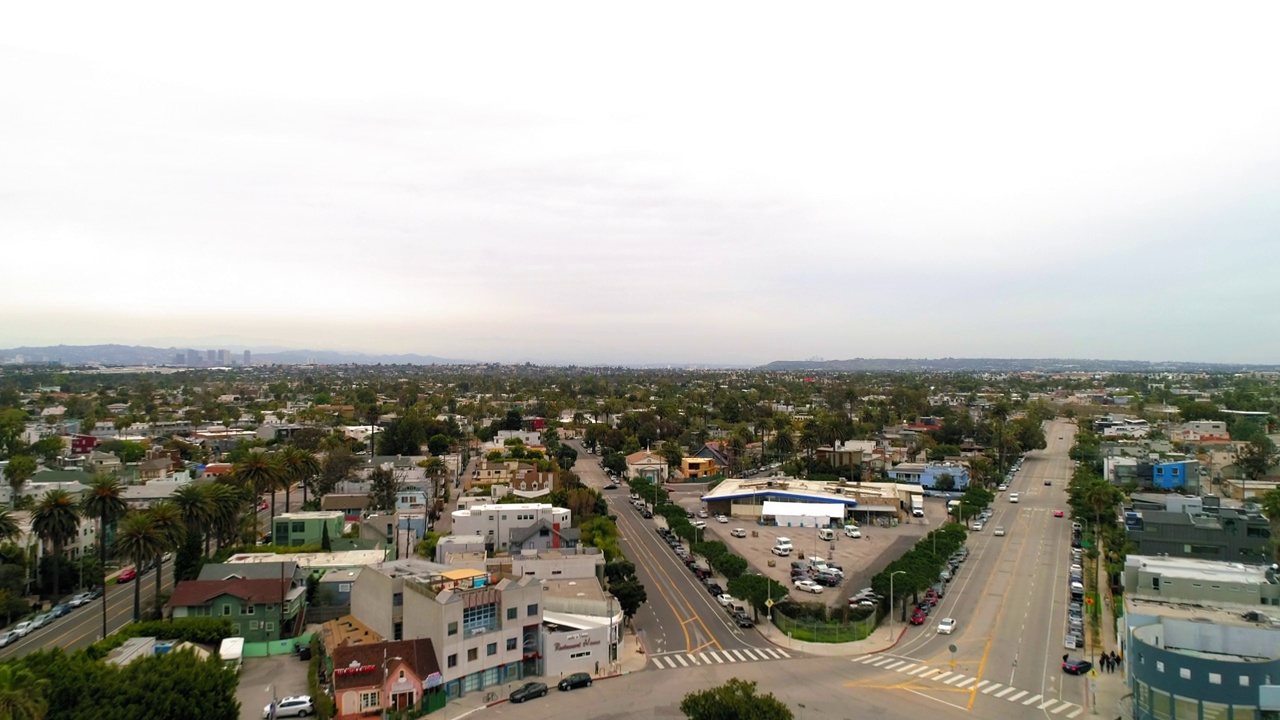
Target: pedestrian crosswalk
x=920, y=671
x=717, y=657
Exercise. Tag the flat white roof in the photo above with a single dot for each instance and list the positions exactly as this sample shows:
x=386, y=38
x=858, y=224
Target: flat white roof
x=828, y=510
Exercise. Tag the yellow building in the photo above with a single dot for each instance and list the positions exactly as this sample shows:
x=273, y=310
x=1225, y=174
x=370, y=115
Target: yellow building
x=694, y=468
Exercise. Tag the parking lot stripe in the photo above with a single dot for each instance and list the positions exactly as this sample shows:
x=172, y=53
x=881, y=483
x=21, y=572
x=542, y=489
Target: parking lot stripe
x=1076, y=712
x=680, y=659
x=994, y=686
x=1062, y=707
x=955, y=679
x=1031, y=699
x=921, y=669
x=1004, y=692
x=1015, y=698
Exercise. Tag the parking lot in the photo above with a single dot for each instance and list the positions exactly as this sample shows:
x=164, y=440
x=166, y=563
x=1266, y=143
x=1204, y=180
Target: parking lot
x=861, y=558
x=285, y=675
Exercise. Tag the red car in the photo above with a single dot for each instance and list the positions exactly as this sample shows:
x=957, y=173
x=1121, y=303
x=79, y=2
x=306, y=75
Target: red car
x=263, y=505
x=918, y=617
x=931, y=597
x=126, y=575
x=1057, y=513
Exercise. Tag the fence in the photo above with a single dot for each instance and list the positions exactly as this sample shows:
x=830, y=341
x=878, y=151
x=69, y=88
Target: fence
x=824, y=631
x=276, y=647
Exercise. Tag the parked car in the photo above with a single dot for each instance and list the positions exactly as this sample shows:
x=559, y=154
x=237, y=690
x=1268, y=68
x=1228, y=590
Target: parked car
x=296, y=706
x=977, y=526
x=715, y=589
x=919, y=617
x=946, y=626
x=574, y=681
x=60, y=609
x=528, y=691
x=809, y=586
x=81, y=599
x=23, y=628
x=8, y=638
x=702, y=514
x=722, y=519
x=126, y=575
x=1072, y=641
x=95, y=593
x=648, y=514
x=725, y=599
x=852, y=531
x=41, y=620
x=743, y=620
x=1075, y=666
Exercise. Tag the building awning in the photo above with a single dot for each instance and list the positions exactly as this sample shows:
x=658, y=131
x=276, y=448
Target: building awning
x=827, y=510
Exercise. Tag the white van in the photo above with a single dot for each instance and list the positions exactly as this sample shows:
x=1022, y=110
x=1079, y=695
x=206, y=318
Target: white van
x=232, y=652
x=782, y=547
x=852, y=531
x=1013, y=497
x=826, y=533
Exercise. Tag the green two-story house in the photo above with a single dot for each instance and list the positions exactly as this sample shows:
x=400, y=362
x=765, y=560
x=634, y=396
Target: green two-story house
x=306, y=528
x=259, y=609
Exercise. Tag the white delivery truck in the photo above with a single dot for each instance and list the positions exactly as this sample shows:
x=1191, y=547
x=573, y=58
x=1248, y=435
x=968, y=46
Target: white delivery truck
x=232, y=652
x=917, y=505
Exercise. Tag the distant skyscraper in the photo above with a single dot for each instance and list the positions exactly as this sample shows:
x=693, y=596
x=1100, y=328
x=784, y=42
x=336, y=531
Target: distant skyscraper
x=224, y=357
x=180, y=359
x=193, y=357
x=211, y=356
x=247, y=358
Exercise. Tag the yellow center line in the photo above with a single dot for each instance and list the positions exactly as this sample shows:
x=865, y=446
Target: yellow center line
x=640, y=550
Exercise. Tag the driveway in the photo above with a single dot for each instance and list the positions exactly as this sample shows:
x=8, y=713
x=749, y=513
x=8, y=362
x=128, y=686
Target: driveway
x=286, y=675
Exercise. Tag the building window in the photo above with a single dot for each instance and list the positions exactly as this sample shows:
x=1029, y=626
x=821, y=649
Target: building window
x=453, y=628
x=246, y=609
x=344, y=587
x=473, y=654
x=369, y=699
x=483, y=617
x=226, y=609
x=532, y=610
x=584, y=653
x=453, y=660
x=269, y=627
x=1215, y=678
x=1159, y=666
x=1184, y=673
x=299, y=527
x=397, y=599
x=491, y=649
x=511, y=644
x=1244, y=681
x=253, y=624
x=511, y=613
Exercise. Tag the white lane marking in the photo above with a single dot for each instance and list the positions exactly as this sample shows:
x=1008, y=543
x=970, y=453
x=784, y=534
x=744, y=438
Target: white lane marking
x=740, y=656
x=749, y=655
x=1004, y=692
x=993, y=687
x=1015, y=698
x=714, y=656
x=919, y=670
x=1075, y=712
x=680, y=659
x=868, y=658
x=955, y=679
x=1031, y=699
x=773, y=654
x=882, y=661
x=703, y=656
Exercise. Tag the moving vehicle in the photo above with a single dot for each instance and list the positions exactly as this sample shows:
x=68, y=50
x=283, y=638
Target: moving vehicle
x=917, y=506
x=826, y=534
x=126, y=575
x=738, y=533
x=809, y=586
x=574, y=681
x=946, y=626
x=1013, y=497
x=722, y=519
x=743, y=620
x=528, y=691
x=1058, y=513
x=1075, y=666
x=999, y=531
x=296, y=706
x=852, y=531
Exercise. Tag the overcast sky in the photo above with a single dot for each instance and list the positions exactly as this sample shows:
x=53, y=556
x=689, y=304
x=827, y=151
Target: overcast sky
x=685, y=182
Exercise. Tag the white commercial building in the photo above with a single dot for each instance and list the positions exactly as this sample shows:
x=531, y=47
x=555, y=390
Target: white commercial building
x=803, y=514
x=498, y=523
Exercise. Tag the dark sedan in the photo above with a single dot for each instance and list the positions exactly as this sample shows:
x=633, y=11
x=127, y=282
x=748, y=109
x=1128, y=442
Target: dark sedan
x=1075, y=666
x=528, y=691
x=575, y=681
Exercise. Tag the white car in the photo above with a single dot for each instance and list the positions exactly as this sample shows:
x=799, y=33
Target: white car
x=738, y=533
x=946, y=626
x=700, y=525
x=999, y=531
x=81, y=599
x=809, y=586
x=1003, y=487
x=977, y=527
x=722, y=519
x=23, y=628
x=1013, y=497
x=298, y=706
x=9, y=638
x=1077, y=570
x=702, y=513
x=726, y=600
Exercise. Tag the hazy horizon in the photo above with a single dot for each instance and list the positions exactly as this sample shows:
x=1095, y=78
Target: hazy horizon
x=599, y=184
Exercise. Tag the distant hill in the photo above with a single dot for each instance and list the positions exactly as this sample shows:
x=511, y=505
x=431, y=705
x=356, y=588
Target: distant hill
x=1005, y=365
x=143, y=355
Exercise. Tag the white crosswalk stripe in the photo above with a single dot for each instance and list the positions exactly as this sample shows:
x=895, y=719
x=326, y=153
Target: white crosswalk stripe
x=882, y=661
x=1061, y=707
x=782, y=652
x=920, y=670
x=967, y=683
x=982, y=684
x=895, y=664
x=995, y=686
x=1047, y=703
x=955, y=679
x=1004, y=692
x=940, y=678
x=1075, y=712
x=907, y=668
x=1030, y=700
x=1014, y=698
x=868, y=659
x=677, y=661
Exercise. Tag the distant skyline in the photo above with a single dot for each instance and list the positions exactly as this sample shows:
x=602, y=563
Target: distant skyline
x=667, y=183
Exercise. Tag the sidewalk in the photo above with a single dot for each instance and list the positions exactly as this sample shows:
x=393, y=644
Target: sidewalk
x=879, y=641
x=1110, y=688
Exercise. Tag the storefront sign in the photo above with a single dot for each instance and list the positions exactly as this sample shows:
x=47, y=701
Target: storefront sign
x=340, y=672
x=582, y=640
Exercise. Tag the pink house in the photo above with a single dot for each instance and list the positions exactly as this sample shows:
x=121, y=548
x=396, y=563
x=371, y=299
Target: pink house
x=393, y=675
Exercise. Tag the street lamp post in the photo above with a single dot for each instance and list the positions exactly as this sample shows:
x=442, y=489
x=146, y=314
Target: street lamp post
x=386, y=702
x=895, y=572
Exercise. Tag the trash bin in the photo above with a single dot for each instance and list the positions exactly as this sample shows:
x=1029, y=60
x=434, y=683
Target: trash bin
x=305, y=654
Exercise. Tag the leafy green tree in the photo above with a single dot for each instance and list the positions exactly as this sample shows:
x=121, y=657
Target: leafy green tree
x=47, y=449
x=105, y=503
x=22, y=693
x=18, y=472
x=12, y=422
x=630, y=594
x=756, y=590
x=734, y=700
x=1256, y=460
x=438, y=444
x=618, y=570
x=127, y=450
x=426, y=547
x=382, y=489
x=9, y=529
x=57, y=522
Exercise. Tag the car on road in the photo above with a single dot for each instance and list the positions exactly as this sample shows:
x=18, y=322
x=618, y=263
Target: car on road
x=700, y=524
x=60, y=609
x=8, y=638
x=648, y=514
x=722, y=519
x=1003, y=487
x=263, y=505
x=611, y=486
x=296, y=706
x=23, y=628
x=919, y=617
x=946, y=626
x=725, y=599
x=81, y=599
x=1058, y=513
x=41, y=620
x=977, y=526
x=1013, y=497
x=702, y=514
x=743, y=620
x=809, y=586
x=738, y=533
x=574, y=681
x=1075, y=666
x=95, y=593
x=1047, y=481
x=999, y=531
x=528, y=691
x=715, y=589
x=1072, y=641
x=126, y=575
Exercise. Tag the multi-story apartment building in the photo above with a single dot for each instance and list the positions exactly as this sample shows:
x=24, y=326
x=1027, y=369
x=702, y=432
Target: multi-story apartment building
x=501, y=524
x=1187, y=527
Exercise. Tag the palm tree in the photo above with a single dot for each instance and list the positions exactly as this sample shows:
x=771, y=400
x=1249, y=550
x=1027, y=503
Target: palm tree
x=17, y=472
x=226, y=504
x=140, y=541
x=299, y=467
x=9, y=529
x=104, y=503
x=168, y=519
x=56, y=521
x=196, y=505
x=22, y=693
x=783, y=442
x=259, y=473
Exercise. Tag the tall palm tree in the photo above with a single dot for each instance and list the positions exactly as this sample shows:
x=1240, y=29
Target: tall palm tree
x=56, y=521
x=259, y=473
x=226, y=506
x=196, y=505
x=139, y=541
x=783, y=442
x=9, y=529
x=104, y=503
x=22, y=694
x=809, y=440
x=299, y=467
x=19, y=469
x=168, y=519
